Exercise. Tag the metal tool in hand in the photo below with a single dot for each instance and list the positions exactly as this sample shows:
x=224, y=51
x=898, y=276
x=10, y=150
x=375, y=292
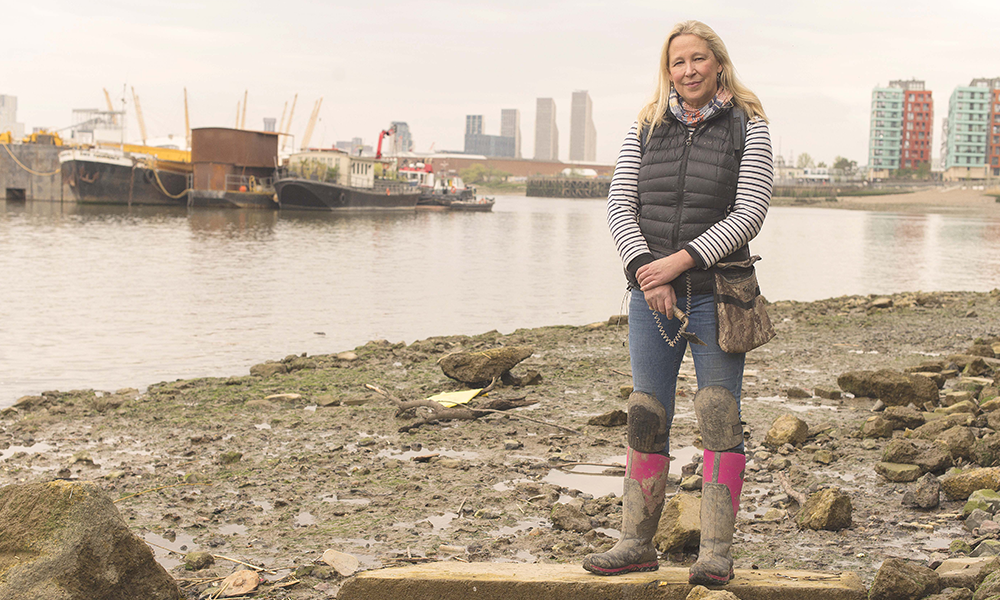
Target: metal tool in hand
x=683, y=318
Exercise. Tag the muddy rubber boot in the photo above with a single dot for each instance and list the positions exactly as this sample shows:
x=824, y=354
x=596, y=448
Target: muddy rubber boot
x=720, y=501
x=642, y=502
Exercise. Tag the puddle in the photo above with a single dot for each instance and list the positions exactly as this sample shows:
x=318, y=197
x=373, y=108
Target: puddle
x=304, y=519
x=264, y=505
x=170, y=553
x=233, y=529
x=844, y=476
x=592, y=479
x=33, y=449
x=331, y=498
x=410, y=454
x=521, y=527
x=440, y=522
x=506, y=486
x=808, y=407
x=263, y=426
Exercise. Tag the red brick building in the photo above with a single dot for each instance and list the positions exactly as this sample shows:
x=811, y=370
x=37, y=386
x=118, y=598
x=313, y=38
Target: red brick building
x=918, y=123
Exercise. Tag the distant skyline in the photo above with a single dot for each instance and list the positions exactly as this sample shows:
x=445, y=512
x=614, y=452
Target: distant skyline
x=814, y=65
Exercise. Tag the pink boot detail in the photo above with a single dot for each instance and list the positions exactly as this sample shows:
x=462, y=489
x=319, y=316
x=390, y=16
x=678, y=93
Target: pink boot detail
x=730, y=473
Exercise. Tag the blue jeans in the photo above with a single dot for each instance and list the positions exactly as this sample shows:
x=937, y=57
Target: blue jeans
x=655, y=364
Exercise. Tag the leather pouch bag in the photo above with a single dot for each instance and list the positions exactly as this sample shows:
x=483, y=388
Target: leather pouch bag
x=741, y=314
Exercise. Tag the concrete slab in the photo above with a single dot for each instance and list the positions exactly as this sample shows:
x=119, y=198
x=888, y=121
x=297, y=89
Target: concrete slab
x=509, y=581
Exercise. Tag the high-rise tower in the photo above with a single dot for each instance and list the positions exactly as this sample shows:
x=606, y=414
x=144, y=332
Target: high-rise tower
x=582, y=133
x=546, y=132
x=510, y=127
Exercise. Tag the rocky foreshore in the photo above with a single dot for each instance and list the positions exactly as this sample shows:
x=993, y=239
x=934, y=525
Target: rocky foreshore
x=873, y=437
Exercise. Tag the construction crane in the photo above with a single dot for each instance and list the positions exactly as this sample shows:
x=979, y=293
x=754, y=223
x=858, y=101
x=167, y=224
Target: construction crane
x=281, y=124
x=243, y=122
x=111, y=107
x=381, y=136
x=288, y=125
x=311, y=125
x=138, y=116
x=187, y=121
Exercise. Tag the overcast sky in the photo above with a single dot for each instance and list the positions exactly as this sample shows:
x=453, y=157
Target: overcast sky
x=431, y=62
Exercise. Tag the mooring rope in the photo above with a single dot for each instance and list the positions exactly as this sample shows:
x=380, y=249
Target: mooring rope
x=20, y=164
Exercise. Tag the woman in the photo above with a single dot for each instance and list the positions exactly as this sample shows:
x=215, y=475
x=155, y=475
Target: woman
x=691, y=188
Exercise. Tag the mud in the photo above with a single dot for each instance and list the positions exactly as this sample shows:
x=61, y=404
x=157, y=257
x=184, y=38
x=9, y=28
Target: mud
x=274, y=470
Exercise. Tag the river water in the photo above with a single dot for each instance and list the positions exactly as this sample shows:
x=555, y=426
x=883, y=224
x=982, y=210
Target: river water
x=111, y=297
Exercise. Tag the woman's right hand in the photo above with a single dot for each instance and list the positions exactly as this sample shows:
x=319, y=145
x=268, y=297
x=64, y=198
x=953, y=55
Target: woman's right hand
x=662, y=299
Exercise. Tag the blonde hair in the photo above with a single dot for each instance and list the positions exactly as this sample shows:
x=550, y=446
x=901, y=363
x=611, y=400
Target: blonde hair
x=655, y=110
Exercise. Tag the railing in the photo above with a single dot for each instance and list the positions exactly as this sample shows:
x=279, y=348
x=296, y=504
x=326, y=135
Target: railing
x=249, y=183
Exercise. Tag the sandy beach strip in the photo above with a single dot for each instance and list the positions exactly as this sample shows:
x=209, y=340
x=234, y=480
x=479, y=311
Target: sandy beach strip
x=954, y=198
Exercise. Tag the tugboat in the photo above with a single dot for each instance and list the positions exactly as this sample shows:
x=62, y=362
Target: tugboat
x=301, y=193
x=443, y=192
x=334, y=180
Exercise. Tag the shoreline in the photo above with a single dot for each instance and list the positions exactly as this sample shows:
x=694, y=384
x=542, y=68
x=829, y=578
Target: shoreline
x=943, y=199
x=276, y=467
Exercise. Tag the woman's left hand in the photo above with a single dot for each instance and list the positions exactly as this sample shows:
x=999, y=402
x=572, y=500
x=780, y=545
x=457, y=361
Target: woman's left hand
x=664, y=270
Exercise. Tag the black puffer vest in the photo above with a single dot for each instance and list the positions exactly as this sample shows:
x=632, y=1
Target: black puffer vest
x=687, y=183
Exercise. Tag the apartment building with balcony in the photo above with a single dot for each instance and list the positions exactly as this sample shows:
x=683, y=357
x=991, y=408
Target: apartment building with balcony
x=902, y=117
x=972, y=131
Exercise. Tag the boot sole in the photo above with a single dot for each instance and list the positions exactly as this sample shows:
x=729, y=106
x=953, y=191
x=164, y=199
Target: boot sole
x=639, y=568
x=709, y=579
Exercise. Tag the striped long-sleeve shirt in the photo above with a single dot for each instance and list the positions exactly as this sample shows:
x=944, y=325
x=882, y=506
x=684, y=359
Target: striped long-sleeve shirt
x=753, y=196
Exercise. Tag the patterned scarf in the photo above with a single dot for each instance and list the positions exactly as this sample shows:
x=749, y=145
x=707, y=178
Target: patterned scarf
x=692, y=116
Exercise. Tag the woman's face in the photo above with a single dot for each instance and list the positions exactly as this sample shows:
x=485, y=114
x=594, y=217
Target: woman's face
x=693, y=69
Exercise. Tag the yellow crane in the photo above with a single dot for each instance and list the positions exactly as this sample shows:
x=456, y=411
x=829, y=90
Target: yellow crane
x=138, y=116
x=111, y=107
x=288, y=125
x=311, y=125
x=281, y=124
x=243, y=123
x=187, y=121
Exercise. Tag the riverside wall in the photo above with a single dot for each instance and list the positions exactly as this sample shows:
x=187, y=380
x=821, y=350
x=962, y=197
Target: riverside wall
x=37, y=176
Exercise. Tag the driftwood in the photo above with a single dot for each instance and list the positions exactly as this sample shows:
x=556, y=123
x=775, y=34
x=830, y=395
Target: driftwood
x=788, y=489
x=440, y=412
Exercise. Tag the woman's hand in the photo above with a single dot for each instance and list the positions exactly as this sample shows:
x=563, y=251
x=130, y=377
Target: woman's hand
x=664, y=270
x=662, y=299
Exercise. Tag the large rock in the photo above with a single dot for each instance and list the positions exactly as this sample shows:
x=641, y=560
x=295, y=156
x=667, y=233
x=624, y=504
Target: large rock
x=963, y=572
x=926, y=494
x=986, y=450
x=989, y=588
x=959, y=486
x=903, y=417
x=479, y=368
x=680, y=524
x=935, y=427
x=931, y=457
x=899, y=580
x=891, y=387
x=828, y=509
x=786, y=429
x=876, y=427
x=66, y=541
x=959, y=441
x=898, y=473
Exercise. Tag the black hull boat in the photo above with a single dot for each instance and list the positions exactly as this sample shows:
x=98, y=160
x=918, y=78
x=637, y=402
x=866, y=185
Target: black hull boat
x=108, y=176
x=473, y=205
x=306, y=194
